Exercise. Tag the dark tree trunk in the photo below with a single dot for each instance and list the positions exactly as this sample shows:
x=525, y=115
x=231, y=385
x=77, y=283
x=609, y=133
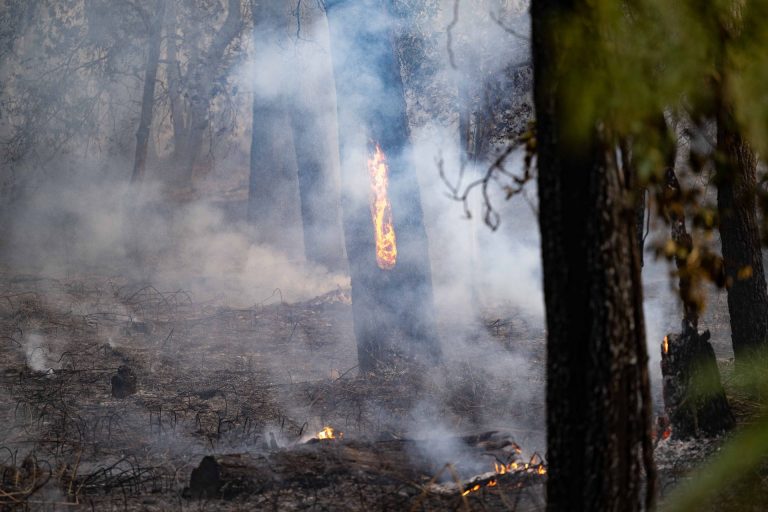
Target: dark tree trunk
x=272, y=190
x=320, y=214
x=740, y=237
x=148, y=97
x=392, y=309
x=273, y=180
x=598, y=398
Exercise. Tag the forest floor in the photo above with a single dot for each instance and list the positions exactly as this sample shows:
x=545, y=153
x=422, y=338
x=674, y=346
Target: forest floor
x=213, y=379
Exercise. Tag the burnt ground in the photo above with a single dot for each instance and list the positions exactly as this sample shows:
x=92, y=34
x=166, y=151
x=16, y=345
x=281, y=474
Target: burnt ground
x=215, y=380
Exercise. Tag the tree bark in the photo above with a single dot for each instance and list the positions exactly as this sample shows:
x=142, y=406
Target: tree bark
x=393, y=309
x=148, y=97
x=598, y=397
x=740, y=238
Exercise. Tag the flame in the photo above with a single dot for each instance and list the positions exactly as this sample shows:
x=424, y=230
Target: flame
x=535, y=465
x=474, y=488
x=381, y=211
x=665, y=345
x=329, y=433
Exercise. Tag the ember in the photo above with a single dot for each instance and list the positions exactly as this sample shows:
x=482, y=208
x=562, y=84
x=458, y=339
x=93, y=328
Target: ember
x=381, y=211
x=665, y=345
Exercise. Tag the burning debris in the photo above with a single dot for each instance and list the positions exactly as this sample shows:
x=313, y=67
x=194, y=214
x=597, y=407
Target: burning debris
x=374, y=463
x=328, y=434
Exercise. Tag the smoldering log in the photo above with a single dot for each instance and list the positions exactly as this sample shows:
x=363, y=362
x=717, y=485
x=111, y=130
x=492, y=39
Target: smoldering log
x=319, y=464
x=694, y=399
x=392, y=305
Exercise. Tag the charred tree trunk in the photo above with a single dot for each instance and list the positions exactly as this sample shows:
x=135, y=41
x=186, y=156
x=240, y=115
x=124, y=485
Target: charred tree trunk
x=392, y=309
x=694, y=399
x=148, y=97
x=740, y=237
x=599, y=446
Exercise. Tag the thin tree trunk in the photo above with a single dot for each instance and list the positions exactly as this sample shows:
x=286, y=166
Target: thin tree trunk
x=148, y=97
x=684, y=245
x=392, y=308
x=173, y=72
x=598, y=396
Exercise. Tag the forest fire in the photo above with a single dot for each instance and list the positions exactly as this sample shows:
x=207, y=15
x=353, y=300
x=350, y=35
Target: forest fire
x=381, y=211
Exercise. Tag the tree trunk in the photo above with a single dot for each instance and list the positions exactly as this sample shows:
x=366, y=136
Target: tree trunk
x=740, y=237
x=272, y=182
x=674, y=208
x=173, y=72
x=319, y=198
x=148, y=98
x=392, y=308
x=201, y=74
x=598, y=397
x=273, y=178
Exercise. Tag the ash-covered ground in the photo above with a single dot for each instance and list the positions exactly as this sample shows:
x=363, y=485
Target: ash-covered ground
x=214, y=379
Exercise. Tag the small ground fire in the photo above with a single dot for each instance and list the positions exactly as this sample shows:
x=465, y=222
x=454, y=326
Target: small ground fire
x=381, y=210
x=328, y=433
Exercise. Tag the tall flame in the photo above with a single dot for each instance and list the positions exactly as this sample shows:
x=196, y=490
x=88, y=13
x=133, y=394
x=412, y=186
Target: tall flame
x=381, y=211
x=665, y=345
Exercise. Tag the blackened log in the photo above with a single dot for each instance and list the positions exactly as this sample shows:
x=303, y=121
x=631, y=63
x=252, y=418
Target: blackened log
x=322, y=463
x=393, y=310
x=694, y=399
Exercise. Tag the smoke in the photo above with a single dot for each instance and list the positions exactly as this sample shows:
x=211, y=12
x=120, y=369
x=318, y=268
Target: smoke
x=41, y=356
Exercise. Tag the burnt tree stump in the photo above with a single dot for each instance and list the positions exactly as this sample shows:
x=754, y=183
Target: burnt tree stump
x=123, y=382
x=694, y=398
